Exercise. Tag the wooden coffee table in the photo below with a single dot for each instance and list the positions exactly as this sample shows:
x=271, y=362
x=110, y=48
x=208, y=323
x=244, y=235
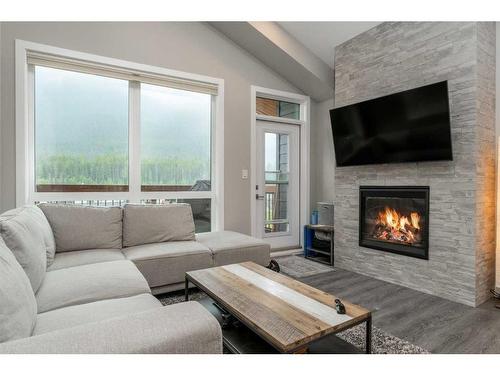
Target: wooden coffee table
x=288, y=315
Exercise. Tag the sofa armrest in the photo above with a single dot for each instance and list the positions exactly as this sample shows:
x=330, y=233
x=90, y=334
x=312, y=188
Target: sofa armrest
x=181, y=328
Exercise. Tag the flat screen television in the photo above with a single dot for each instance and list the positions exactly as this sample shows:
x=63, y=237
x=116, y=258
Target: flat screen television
x=408, y=126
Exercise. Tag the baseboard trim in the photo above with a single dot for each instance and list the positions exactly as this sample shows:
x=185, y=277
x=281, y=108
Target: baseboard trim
x=282, y=253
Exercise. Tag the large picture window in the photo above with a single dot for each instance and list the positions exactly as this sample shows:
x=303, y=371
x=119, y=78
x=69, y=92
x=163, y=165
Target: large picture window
x=100, y=131
x=175, y=139
x=81, y=131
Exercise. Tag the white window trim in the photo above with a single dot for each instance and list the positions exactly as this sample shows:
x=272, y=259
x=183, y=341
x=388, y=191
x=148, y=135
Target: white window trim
x=25, y=183
x=304, y=123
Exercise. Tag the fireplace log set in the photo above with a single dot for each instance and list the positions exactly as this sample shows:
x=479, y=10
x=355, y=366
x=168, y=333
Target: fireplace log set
x=391, y=225
x=406, y=234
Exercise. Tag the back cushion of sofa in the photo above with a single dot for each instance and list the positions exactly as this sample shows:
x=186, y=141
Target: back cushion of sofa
x=81, y=228
x=143, y=224
x=17, y=300
x=28, y=235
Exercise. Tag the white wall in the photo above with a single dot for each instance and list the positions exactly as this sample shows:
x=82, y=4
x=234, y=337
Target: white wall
x=322, y=154
x=191, y=47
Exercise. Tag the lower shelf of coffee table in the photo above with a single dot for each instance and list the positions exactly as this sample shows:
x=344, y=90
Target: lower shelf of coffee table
x=241, y=340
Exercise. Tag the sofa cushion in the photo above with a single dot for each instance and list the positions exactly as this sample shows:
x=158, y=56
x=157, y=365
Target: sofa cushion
x=81, y=257
x=183, y=328
x=71, y=316
x=17, y=300
x=84, y=227
x=90, y=283
x=232, y=247
x=27, y=234
x=143, y=224
x=166, y=263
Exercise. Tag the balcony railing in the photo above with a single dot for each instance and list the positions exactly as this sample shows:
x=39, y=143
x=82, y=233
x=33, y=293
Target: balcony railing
x=92, y=202
x=63, y=188
x=272, y=224
x=67, y=188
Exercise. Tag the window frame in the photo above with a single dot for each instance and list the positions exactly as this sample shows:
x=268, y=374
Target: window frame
x=25, y=130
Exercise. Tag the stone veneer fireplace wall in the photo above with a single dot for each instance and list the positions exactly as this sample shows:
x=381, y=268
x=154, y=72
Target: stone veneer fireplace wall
x=393, y=57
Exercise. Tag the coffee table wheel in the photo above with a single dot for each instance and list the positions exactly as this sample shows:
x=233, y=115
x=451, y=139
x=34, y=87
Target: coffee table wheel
x=227, y=320
x=274, y=266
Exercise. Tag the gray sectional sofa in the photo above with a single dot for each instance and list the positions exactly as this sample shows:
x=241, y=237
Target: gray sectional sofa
x=77, y=279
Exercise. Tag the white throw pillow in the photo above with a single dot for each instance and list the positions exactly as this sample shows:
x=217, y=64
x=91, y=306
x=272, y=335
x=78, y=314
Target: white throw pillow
x=28, y=235
x=17, y=300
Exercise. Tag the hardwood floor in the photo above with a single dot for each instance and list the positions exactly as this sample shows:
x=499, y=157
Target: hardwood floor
x=433, y=323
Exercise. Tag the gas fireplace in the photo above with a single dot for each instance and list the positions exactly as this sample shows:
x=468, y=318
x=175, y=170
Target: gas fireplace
x=395, y=219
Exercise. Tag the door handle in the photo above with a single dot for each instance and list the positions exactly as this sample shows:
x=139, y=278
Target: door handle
x=257, y=196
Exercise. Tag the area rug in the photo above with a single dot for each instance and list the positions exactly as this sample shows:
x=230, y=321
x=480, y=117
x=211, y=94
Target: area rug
x=382, y=342
x=297, y=266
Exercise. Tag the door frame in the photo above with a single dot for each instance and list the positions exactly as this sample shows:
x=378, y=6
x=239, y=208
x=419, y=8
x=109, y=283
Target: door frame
x=289, y=239
x=304, y=124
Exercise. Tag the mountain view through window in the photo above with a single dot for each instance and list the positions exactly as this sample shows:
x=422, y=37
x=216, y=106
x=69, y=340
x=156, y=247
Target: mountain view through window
x=82, y=133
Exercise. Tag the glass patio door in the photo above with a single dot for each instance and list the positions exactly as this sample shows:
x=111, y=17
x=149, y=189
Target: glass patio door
x=277, y=189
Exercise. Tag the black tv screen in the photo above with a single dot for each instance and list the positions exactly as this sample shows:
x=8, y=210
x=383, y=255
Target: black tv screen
x=412, y=125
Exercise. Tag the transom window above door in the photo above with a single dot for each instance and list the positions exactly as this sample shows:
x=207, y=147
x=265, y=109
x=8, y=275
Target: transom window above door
x=277, y=108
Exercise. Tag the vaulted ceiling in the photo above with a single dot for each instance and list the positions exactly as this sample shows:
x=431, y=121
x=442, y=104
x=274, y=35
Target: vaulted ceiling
x=302, y=52
x=322, y=37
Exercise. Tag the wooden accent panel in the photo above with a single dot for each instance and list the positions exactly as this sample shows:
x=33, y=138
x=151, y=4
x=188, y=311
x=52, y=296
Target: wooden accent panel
x=268, y=107
x=355, y=311
x=165, y=187
x=62, y=188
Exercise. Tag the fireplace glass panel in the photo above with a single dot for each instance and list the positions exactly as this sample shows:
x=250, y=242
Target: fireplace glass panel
x=395, y=219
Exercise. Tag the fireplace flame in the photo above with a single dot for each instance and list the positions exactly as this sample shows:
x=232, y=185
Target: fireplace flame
x=392, y=225
x=415, y=220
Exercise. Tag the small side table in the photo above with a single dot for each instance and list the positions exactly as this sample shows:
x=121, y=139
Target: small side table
x=324, y=254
